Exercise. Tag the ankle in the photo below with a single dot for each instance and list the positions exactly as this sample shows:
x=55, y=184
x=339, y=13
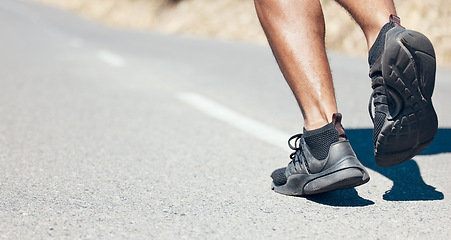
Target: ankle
x=316, y=120
x=316, y=124
x=320, y=140
x=376, y=48
x=377, y=32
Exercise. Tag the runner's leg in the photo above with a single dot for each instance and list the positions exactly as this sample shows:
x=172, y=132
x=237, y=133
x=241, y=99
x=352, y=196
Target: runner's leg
x=296, y=37
x=371, y=15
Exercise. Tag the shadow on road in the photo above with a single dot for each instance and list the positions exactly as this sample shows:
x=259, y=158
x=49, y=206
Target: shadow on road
x=341, y=198
x=408, y=185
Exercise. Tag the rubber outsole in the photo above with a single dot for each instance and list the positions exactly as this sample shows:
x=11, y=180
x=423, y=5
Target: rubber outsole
x=408, y=69
x=348, y=173
x=389, y=160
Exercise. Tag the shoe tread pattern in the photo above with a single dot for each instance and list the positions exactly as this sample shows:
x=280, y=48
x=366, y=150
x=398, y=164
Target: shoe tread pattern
x=408, y=69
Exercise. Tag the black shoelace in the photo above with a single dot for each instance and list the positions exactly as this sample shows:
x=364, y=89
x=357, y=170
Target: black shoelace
x=296, y=147
x=378, y=97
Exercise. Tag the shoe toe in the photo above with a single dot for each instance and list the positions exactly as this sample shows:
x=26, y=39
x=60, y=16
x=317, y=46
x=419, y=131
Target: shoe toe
x=278, y=177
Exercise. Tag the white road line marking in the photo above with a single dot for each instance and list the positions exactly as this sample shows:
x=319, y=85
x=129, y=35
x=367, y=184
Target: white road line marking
x=259, y=130
x=245, y=124
x=110, y=58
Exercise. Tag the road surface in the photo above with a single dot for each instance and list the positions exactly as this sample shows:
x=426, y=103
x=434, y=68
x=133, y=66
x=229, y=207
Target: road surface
x=118, y=134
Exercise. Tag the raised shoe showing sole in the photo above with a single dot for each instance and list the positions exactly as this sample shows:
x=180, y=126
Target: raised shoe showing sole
x=405, y=120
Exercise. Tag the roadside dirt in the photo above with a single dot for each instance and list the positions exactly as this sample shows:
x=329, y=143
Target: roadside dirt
x=237, y=20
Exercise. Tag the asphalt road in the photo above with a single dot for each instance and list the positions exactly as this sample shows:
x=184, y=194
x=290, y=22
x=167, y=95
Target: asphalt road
x=117, y=134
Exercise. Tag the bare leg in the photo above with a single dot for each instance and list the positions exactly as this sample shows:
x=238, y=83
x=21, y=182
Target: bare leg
x=295, y=30
x=371, y=15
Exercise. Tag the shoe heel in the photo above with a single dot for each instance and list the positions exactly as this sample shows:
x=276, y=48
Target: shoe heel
x=423, y=54
x=409, y=56
x=428, y=123
x=343, y=179
x=392, y=159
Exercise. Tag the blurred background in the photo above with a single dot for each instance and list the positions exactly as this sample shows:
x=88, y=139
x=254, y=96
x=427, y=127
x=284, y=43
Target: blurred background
x=237, y=20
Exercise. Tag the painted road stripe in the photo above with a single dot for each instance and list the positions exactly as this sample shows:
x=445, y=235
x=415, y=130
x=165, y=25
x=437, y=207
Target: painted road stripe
x=110, y=58
x=259, y=130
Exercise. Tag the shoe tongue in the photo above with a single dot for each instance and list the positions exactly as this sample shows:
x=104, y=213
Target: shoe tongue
x=336, y=119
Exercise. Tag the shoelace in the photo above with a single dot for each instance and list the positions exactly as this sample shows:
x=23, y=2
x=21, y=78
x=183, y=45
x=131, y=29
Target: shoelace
x=297, y=145
x=378, y=96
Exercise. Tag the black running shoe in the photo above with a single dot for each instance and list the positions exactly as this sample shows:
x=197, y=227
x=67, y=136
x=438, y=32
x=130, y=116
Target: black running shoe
x=307, y=175
x=403, y=79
